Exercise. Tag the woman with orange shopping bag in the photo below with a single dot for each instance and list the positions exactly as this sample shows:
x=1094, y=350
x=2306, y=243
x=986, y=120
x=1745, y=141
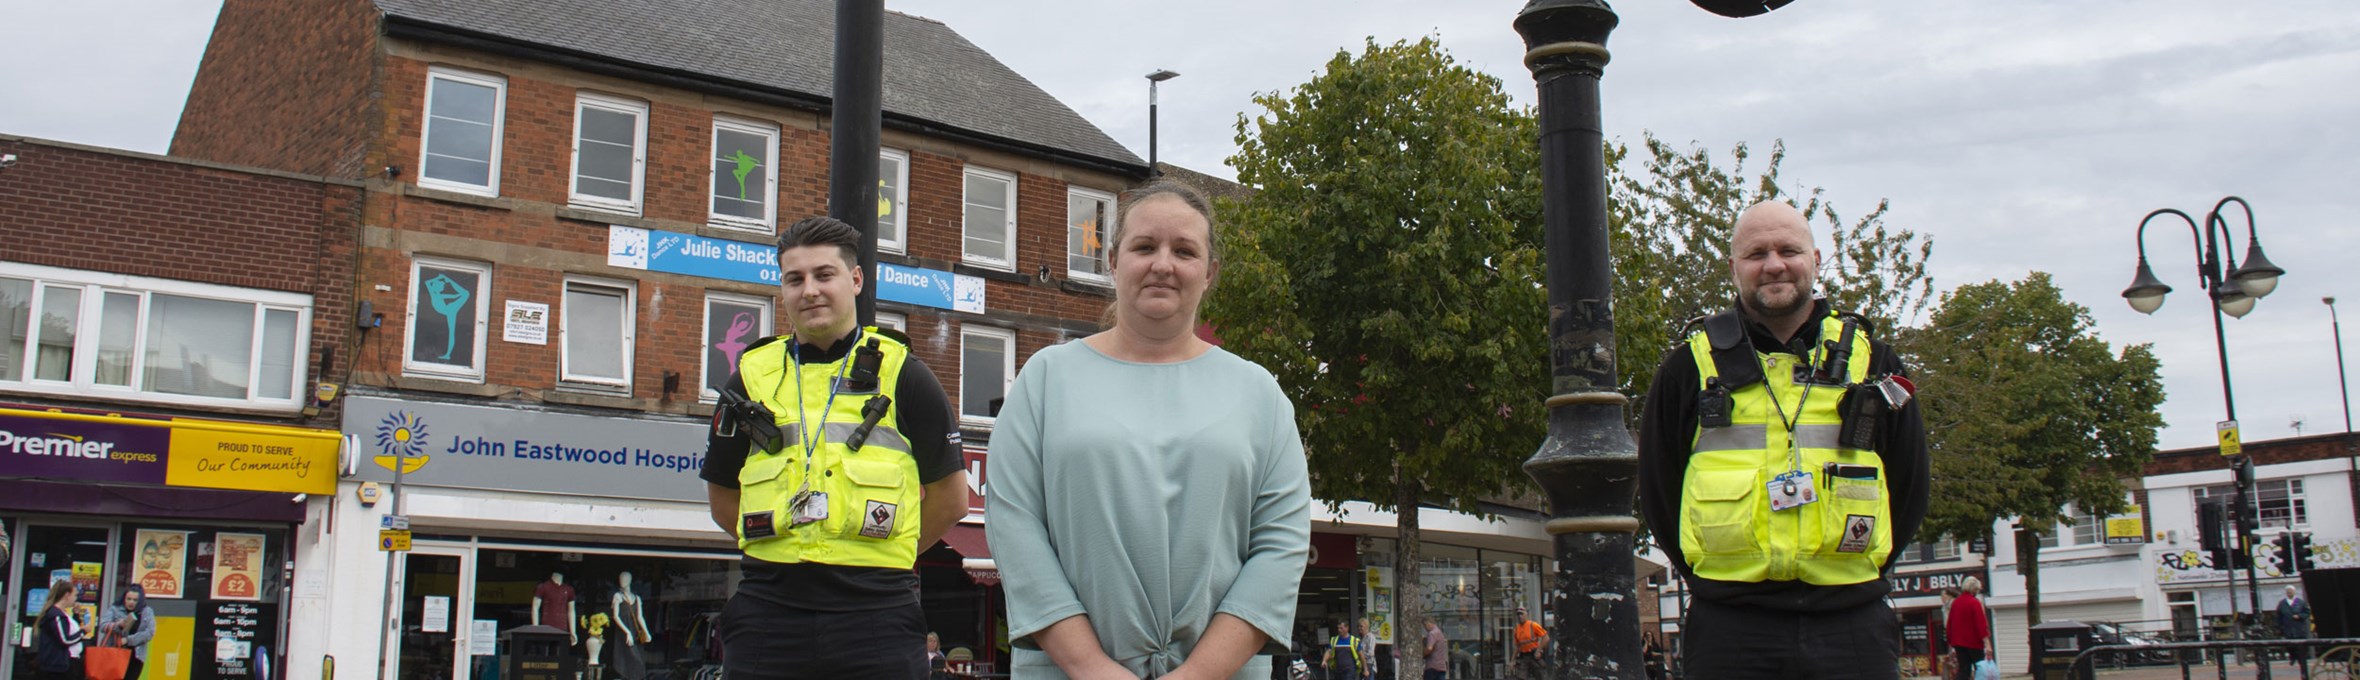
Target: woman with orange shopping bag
x=128, y=625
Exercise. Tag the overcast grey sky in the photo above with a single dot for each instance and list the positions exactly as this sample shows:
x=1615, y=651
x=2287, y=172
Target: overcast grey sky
x=2021, y=135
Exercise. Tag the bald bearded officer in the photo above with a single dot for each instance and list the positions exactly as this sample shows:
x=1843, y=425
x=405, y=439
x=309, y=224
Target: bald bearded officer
x=1782, y=462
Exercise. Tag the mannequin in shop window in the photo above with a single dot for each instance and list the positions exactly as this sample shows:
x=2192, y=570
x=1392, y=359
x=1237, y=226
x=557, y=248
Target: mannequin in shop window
x=631, y=626
x=553, y=605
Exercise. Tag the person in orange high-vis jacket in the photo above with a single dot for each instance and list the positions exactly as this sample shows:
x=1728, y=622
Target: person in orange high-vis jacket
x=1531, y=638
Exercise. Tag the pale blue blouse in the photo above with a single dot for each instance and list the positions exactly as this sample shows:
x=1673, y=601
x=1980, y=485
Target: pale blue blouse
x=1149, y=497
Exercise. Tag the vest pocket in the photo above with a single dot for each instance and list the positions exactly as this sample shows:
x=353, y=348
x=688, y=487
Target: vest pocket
x=759, y=478
x=872, y=481
x=1722, y=507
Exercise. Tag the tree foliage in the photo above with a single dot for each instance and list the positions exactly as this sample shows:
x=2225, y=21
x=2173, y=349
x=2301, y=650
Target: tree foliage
x=1672, y=223
x=2028, y=411
x=1388, y=271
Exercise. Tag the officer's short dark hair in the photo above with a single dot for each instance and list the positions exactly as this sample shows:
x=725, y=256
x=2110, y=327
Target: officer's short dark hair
x=822, y=231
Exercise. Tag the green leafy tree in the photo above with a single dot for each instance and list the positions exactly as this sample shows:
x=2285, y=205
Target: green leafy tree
x=2028, y=411
x=1388, y=271
x=1672, y=222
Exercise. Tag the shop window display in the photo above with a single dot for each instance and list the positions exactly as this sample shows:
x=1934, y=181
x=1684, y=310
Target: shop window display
x=213, y=589
x=645, y=617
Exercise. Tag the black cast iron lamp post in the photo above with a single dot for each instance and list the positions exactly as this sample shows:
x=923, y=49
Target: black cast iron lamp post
x=2234, y=290
x=1589, y=465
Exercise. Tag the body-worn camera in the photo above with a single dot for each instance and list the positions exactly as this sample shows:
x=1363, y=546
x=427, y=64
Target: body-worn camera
x=756, y=420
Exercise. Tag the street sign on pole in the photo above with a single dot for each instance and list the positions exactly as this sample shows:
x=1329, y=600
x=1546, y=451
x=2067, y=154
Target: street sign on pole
x=393, y=540
x=2230, y=445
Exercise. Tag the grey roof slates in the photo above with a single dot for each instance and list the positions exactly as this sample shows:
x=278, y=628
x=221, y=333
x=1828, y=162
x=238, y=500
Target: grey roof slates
x=932, y=73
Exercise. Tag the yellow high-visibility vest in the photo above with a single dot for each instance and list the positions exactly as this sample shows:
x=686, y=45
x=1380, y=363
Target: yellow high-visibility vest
x=1728, y=531
x=873, y=494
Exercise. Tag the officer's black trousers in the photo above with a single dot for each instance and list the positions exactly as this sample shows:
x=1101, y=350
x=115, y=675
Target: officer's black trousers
x=765, y=641
x=1724, y=641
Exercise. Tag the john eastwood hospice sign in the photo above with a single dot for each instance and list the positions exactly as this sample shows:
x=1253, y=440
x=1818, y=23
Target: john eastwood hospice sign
x=479, y=447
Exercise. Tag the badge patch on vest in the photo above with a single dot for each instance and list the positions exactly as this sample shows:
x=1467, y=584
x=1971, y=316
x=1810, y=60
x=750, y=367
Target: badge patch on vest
x=754, y=525
x=877, y=522
x=1856, y=531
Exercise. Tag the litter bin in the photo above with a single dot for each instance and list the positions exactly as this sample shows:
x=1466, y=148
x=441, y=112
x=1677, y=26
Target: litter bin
x=537, y=653
x=2054, y=644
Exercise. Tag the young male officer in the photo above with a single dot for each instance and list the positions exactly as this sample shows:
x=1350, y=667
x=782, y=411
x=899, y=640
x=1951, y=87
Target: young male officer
x=1782, y=461
x=834, y=459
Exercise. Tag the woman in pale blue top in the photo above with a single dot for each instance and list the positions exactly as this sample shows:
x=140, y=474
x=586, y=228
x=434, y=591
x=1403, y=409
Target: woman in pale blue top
x=1150, y=509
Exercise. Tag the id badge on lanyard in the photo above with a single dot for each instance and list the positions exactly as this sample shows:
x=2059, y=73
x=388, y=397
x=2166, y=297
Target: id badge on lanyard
x=1791, y=489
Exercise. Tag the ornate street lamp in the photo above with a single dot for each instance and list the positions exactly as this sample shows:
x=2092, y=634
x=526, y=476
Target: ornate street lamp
x=2234, y=289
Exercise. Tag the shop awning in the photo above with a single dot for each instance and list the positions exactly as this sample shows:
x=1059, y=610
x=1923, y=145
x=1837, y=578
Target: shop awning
x=969, y=541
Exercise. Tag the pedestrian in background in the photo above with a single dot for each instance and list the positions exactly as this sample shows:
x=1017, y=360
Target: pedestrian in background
x=1437, y=652
x=1968, y=627
x=1782, y=461
x=2294, y=621
x=57, y=649
x=1531, y=641
x=1368, y=650
x=1343, y=658
x=135, y=624
x=1150, y=506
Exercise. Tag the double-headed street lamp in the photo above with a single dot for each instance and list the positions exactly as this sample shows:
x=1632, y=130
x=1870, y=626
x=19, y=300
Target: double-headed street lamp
x=2234, y=289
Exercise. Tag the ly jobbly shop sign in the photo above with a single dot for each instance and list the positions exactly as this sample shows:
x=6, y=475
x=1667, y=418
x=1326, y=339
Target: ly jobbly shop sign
x=186, y=452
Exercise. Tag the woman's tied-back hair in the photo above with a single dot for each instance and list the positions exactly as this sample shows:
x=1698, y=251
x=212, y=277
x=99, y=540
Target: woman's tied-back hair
x=822, y=231
x=59, y=591
x=1157, y=189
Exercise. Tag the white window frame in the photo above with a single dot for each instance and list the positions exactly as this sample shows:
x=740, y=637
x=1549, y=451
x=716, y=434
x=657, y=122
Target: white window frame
x=499, y=87
x=2297, y=502
x=769, y=173
x=895, y=320
x=901, y=204
x=705, y=341
x=1106, y=233
x=482, y=321
x=95, y=286
x=638, y=112
x=1008, y=230
x=1007, y=368
x=629, y=292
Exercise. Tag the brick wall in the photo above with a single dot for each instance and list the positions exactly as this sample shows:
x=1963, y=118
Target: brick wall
x=94, y=209
x=534, y=241
x=284, y=85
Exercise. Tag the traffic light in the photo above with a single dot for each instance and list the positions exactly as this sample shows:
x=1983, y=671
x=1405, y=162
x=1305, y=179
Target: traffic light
x=2298, y=547
x=2279, y=554
x=2211, y=534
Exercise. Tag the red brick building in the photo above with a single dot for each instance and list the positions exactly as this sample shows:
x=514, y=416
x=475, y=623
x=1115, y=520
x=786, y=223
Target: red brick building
x=566, y=220
x=165, y=326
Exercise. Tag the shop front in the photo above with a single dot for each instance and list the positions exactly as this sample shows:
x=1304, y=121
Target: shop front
x=591, y=523
x=1917, y=601
x=198, y=513
x=1476, y=572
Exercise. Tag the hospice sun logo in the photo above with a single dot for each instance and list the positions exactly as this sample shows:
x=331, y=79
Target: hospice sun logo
x=401, y=436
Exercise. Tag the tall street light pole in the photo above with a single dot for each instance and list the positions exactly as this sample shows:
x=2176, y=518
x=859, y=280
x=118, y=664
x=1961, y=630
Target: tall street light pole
x=855, y=117
x=2340, y=384
x=1589, y=465
x=1154, y=79
x=2233, y=289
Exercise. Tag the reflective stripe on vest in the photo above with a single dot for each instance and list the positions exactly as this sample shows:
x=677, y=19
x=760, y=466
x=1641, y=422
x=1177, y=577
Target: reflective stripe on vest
x=1728, y=531
x=873, y=494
